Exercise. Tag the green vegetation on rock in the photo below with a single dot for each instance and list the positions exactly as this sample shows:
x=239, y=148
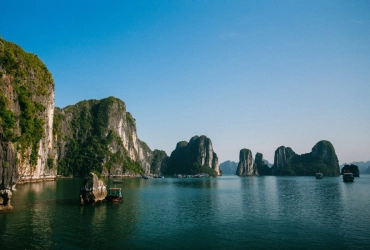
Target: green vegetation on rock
x=194, y=157
x=24, y=77
x=321, y=159
x=91, y=144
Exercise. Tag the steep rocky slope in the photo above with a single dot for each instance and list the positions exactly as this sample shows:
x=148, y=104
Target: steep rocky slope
x=99, y=135
x=322, y=158
x=26, y=118
x=193, y=157
x=246, y=164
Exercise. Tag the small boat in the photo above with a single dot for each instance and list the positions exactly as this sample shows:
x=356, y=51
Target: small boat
x=319, y=175
x=348, y=177
x=114, y=194
x=117, y=181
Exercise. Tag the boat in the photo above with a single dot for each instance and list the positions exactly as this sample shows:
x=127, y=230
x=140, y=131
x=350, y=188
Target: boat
x=319, y=175
x=114, y=194
x=117, y=181
x=348, y=177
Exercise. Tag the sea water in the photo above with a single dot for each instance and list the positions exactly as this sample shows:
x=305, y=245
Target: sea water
x=227, y=212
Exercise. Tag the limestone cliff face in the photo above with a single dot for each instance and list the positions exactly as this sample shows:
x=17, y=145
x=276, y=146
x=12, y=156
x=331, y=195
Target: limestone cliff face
x=203, y=154
x=100, y=135
x=27, y=150
x=322, y=158
x=92, y=190
x=246, y=164
x=324, y=151
x=159, y=162
x=261, y=165
x=283, y=157
x=193, y=157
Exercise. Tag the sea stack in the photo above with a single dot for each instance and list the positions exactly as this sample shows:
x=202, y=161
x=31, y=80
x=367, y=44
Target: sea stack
x=246, y=165
x=92, y=190
x=194, y=157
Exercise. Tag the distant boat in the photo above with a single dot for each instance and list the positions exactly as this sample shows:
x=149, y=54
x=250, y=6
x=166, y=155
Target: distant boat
x=117, y=181
x=319, y=175
x=348, y=177
x=114, y=194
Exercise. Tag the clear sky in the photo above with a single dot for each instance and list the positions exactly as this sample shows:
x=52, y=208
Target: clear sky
x=247, y=74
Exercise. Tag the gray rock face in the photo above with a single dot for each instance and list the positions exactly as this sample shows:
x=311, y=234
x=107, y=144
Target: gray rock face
x=194, y=157
x=5, y=196
x=8, y=167
x=112, y=130
x=283, y=157
x=202, y=150
x=325, y=151
x=259, y=162
x=27, y=150
x=246, y=165
x=322, y=159
x=159, y=162
x=92, y=190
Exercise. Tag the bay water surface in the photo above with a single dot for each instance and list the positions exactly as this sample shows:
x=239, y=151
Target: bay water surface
x=227, y=212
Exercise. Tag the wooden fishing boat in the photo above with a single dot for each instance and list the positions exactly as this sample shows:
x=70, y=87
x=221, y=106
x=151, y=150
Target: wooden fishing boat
x=114, y=194
x=117, y=181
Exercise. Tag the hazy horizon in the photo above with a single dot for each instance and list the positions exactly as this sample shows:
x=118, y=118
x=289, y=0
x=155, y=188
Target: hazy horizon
x=247, y=74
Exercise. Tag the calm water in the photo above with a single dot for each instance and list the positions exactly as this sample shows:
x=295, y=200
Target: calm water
x=210, y=213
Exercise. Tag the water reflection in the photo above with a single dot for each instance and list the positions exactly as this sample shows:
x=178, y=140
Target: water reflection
x=226, y=212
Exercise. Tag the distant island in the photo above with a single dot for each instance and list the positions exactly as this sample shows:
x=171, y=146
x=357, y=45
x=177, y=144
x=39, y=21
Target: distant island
x=322, y=159
x=364, y=167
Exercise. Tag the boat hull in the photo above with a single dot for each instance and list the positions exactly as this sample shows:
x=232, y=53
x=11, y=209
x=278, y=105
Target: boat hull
x=113, y=198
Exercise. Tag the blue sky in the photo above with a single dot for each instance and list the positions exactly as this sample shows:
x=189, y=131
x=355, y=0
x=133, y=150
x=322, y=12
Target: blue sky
x=247, y=74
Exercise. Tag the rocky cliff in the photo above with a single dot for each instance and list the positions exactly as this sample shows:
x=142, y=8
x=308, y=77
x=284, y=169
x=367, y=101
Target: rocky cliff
x=193, y=157
x=283, y=157
x=27, y=151
x=159, y=162
x=246, y=165
x=262, y=165
x=99, y=135
x=92, y=190
x=322, y=158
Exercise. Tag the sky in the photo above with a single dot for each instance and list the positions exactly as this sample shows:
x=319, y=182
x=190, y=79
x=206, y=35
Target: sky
x=246, y=74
